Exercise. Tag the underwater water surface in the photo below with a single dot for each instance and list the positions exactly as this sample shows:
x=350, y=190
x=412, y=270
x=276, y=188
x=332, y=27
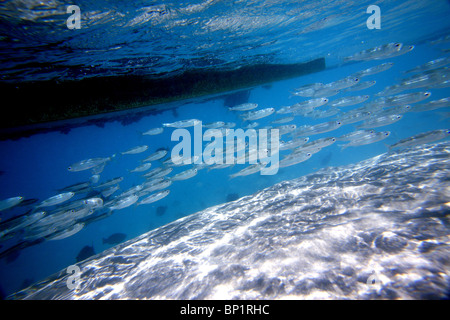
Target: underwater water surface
x=221, y=34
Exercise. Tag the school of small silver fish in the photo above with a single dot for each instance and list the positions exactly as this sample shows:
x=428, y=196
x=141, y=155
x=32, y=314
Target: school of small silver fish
x=66, y=213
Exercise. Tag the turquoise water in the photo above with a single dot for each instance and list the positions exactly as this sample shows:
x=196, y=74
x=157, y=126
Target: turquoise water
x=35, y=167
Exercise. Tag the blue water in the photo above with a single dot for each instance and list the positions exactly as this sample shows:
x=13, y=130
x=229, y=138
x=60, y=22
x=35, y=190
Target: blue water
x=36, y=166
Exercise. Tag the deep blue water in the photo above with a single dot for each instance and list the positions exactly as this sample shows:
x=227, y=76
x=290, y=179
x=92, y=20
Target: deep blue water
x=36, y=166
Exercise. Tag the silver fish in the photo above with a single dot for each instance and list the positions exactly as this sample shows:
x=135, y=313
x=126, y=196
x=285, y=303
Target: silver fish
x=109, y=191
x=323, y=92
x=361, y=86
x=209, y=134
x=10, y=202
x=390, y=90
x=316, y=144
x=123, y=202
x=304, y=112
x=88, y=164
x=355, y=135
x=258, y=114
x=407, y=98
x=58, y=199
x=214, y=125
x=353, y=117
x=433, y=79
x=294, y=158
x=327, y=93
x=109, y=183
x=307, y=90
x=421, y=138
x=94, y=203
x=430, y=65
x=235, y=145
x=34, y=233
x=81, y=212
x=320, y=24
x=244, y=107
x=432, y=105
x=156, y=185
x=59, y=218
x=400, y=99
x=159, y=172
x=154, y=197
x=403, y=50
x=380, y=121
x=156, y=156
x=154, y=171
x=184, y=175
x=63, y=218
x=380, y=52
x=153, y=181
x=251, y=125
x=305, y=105
x=372, y=106
x=171, y=162
x=348, y=101
x=153, y=132
x=98, y=169
x=16, y=224
x=373, y=70
x=443, y=84
x=136, y=150
x=212, y=133
x=229, y=125
x=131, y=191
x=341, y=84
x=69, y=206
x=182, y=123
x=283, y=120
x=219, y=166
x=201, y=166
x=309, y=150
x=75, y=187
x=393, y=110
x=286, y=128
x=319, y=114
x=143, y=167
x=317, y=128
x=418, y=81
x=443, y=39
x=311, y=103
x=94, y=179
x=178, y=161
x=248, y=170
x=249, y=155
x=67, y=232
x=294, y=143
x=367, y=139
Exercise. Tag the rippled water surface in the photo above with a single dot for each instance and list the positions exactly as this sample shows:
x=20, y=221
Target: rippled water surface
x=153, y=37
